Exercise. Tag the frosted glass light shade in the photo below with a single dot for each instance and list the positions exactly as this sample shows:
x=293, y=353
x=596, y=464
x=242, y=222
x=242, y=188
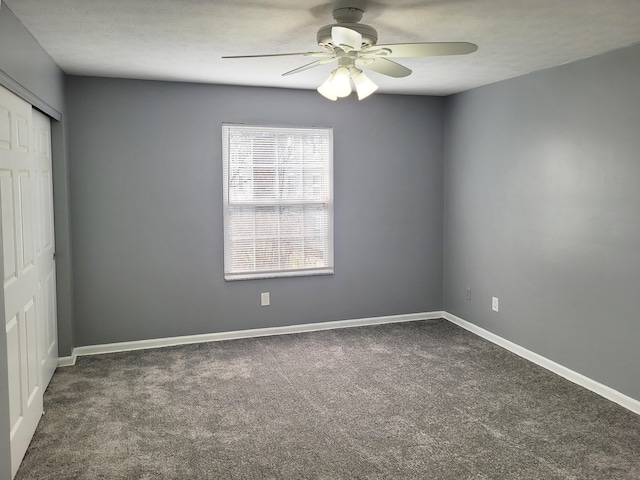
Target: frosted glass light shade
x=341, y=82
x=364, y=85
x=326, y=89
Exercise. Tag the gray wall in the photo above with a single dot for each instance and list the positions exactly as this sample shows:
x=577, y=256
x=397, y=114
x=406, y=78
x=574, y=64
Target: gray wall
x=146, y=189
x=542, y=209
x=28, y=71
x=64, y=279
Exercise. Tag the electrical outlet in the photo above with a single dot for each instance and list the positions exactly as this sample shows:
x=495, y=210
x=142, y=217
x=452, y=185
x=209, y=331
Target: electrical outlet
x=468, y=293
x=264, y=299
x=495, y=304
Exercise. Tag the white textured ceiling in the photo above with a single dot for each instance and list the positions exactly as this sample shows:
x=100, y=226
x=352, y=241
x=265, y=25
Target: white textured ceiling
x=183, y=40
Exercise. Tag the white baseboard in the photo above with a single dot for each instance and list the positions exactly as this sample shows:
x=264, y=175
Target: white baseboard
x=256, y=332
x=596, y=387
x=68, y=361
x=575, y=377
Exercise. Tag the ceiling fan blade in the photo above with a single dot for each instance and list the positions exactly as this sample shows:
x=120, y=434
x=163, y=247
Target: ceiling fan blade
x=322, y=61
x=384, y=66
x=426, y=49
x=347, y=39
x=304, y=54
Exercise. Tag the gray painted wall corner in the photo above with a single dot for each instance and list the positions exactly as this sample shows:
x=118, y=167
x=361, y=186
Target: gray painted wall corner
x=541, y=210
x=64, y=274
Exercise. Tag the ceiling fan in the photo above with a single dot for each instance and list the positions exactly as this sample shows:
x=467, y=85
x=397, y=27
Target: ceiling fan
x=354, y=46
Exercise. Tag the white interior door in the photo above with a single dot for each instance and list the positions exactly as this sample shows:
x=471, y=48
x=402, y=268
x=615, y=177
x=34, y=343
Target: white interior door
x=23, y=186
x=45, y=247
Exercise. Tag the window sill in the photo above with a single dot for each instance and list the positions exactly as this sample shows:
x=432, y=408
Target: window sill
x=230, y=277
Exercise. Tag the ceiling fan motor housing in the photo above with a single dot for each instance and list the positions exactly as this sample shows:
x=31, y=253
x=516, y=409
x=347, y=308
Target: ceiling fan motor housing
x=369, y=34
x=348, y=17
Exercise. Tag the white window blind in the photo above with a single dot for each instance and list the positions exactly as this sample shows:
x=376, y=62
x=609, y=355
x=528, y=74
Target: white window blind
x=278, y=201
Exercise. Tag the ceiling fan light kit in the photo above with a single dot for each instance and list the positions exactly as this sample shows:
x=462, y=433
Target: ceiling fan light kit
x=338, y=85
x=354, y=46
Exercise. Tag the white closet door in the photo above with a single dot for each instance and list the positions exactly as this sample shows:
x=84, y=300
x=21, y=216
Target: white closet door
x=28, y=292
x=45, y=248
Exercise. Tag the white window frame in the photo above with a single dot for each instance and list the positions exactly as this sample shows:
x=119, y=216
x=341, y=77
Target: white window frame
x=230, y=206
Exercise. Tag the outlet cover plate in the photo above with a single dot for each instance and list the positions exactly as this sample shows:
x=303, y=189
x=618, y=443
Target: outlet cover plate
x=264, y=299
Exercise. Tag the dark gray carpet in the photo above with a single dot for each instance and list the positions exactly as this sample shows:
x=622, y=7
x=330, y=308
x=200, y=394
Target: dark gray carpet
x=411, y=400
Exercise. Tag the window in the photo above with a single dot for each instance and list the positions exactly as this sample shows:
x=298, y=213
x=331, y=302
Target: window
x=278, y=201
